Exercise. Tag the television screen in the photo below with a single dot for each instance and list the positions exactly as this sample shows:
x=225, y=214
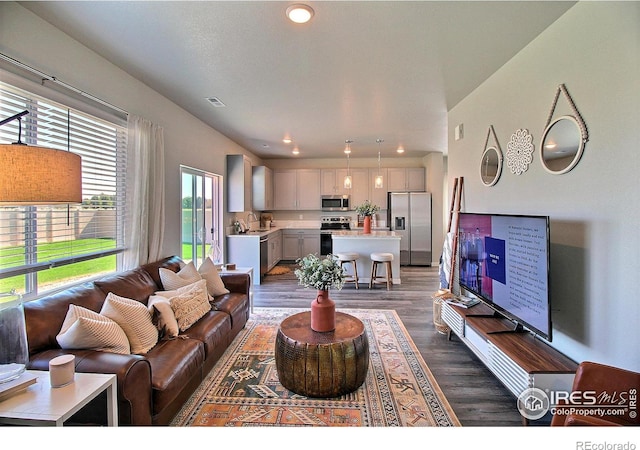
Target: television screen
x=504, y=261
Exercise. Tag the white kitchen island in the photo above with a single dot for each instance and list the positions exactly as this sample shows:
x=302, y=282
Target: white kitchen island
x=364, y=244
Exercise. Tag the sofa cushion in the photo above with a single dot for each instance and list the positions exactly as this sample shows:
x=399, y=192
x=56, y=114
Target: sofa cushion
x=208, y=271
x=134, y=318
x=236, y=305
x=163, y=317
x=214, y=330
x=172, y=280
x=189, y=306
x=86, y=329
x=136, y=284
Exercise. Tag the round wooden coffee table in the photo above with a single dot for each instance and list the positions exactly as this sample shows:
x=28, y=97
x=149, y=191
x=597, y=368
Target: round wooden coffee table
x=327, y=364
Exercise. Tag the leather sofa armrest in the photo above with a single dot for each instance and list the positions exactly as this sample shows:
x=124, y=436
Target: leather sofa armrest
x=133, y=373
x=237, y=282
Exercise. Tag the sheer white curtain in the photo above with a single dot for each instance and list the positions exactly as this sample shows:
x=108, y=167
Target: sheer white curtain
x=144, y=227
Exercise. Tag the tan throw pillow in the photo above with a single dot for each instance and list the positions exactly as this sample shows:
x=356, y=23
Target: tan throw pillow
x=134, y=318
x=174, y=280
x=86, y=329
x=189, y=306
x=215, y=286
x=165, y=319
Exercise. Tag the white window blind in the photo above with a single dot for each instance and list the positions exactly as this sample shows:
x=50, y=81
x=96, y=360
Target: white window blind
x=49, y=247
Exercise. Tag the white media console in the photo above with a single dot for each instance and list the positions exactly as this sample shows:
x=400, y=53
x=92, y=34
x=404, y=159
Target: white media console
x=518, y=359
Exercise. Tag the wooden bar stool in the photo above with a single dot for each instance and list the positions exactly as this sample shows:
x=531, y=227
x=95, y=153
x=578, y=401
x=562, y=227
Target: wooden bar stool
x=350, y=258
x=381, y=258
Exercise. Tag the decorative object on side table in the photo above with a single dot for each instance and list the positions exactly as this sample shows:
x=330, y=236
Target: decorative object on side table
x=321, y=274
x=367, y=209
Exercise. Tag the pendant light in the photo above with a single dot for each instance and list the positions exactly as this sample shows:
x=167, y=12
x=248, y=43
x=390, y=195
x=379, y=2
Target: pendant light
x=379, y=184
x=348, y=182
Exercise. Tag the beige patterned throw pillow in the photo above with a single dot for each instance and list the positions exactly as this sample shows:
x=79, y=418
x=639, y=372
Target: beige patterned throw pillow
x=191, y=304
x=134, y=318
x=172, y=280
x=215, y=285
x=86, y=329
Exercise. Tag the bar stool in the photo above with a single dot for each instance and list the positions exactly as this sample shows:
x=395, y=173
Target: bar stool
x=351, y=258
x=381, y=258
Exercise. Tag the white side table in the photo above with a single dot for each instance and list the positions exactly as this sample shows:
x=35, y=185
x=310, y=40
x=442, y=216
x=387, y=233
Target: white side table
x=40, y=404
x=247, y=270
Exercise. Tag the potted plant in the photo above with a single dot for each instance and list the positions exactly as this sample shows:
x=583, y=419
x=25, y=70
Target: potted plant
x=367, y=209
x=321, y=274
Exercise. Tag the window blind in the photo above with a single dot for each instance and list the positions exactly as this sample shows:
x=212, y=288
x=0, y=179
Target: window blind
x=48, y=247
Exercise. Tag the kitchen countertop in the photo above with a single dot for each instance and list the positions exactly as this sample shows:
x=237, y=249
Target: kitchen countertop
x=265, y=232
x=342, y=234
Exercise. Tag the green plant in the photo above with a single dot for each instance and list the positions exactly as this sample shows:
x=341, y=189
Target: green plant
x=367, y=208
x=320, y=274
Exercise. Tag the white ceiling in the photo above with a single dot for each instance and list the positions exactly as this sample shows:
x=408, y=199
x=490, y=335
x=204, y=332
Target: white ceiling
x=360, y=70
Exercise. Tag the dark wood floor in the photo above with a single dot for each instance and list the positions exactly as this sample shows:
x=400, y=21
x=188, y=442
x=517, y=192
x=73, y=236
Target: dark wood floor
x=476, y=396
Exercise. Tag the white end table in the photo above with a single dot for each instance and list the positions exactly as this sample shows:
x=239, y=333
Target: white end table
x=40, y=404
x=247, y=270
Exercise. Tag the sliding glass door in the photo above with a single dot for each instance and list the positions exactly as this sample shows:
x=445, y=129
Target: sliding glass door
x=202, y=233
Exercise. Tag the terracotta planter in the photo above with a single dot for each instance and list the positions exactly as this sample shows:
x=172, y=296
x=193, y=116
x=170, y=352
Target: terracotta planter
x=323, y=313
x=367, y=225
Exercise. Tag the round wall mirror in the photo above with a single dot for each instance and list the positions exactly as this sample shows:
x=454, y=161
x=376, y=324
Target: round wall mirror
x=561, y=145
x=491, y=166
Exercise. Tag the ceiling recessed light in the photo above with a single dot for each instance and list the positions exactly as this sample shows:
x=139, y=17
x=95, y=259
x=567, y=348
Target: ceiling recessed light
x=215, y=101
x=295, y=151
x=299, y=13
x=400, y=150
x=287, y=140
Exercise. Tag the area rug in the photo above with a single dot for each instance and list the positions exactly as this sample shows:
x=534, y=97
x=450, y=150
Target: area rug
x=243, y=388
x=279, y=270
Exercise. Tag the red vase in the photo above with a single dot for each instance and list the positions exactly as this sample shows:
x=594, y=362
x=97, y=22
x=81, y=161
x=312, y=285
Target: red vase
x=323, y=313
x=367, y=225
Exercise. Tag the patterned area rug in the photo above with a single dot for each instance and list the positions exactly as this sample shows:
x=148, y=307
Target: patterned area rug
x=243, y=388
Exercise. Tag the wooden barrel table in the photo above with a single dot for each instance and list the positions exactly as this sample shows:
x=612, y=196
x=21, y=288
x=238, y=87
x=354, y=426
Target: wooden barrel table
x=322, y=365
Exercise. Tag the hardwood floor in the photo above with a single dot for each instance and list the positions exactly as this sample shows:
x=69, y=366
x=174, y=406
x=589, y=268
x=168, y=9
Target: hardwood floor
x=476, y=396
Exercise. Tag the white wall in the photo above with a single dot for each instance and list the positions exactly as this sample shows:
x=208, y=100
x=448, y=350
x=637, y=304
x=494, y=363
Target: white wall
x=188, y=141
x=594, y=49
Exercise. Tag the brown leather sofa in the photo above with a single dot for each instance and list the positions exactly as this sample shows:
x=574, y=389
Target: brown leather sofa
x=152, y=387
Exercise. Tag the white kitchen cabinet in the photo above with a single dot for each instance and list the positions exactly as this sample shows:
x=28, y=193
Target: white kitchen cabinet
x=402, y=179
x=239, y=180
x=378, y=196
x=299, y=243
x=333, y=184
x=262, y=186
x=296, y=189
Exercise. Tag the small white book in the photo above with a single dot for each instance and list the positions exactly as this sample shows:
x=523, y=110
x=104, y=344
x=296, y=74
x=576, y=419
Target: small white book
x=463, y=302
x=13, y=387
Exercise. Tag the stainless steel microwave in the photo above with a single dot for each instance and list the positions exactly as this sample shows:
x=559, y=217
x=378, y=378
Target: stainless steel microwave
x=336, y=202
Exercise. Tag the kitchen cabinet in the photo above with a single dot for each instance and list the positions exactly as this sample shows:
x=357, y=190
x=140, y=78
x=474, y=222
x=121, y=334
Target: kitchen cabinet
x=411, y=179
x=239, y=178
x=275, y=248
x=299, y=243
x=333, y=184
x=262, y=187
x=296, y=189
x=244, y=251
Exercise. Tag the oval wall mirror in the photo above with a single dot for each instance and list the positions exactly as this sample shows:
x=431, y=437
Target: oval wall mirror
x=561, y=145
x=491, y=166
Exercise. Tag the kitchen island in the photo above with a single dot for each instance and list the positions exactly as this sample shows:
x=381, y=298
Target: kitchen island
x=364, y=244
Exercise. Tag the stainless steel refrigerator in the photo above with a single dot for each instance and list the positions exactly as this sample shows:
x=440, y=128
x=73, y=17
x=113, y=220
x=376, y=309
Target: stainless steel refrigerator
x=409, y=214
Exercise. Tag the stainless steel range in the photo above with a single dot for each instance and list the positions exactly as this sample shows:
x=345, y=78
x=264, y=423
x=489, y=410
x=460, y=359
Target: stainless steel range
x=329, y=224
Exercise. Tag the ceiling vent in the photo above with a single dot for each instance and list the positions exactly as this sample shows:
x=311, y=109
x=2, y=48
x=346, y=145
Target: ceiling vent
x=215, y=101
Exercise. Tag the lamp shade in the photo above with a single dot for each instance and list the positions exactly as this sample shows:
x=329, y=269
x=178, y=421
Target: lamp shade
x=31, y=175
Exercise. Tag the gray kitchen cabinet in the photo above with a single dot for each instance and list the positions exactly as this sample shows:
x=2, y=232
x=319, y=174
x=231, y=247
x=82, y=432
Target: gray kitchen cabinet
x=262, y=187
x=239, y=180
x=299, y=243
x=296, y=189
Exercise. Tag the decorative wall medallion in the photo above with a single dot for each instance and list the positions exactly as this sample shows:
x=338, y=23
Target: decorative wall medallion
x=520, y=151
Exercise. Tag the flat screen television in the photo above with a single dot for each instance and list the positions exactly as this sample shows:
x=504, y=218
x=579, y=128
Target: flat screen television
x=504, y=261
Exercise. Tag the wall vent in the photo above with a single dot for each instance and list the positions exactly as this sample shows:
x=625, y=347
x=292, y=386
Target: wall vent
x=216, y=102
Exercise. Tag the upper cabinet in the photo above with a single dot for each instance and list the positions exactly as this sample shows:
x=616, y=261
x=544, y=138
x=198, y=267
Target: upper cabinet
x=401, y=179
x=239, y=183
x=332, y=183
x=296, y=189
x=262, y=186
